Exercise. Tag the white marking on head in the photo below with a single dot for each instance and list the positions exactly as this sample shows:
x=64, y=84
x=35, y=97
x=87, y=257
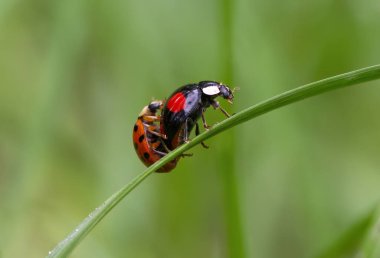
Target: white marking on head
x=211, y=90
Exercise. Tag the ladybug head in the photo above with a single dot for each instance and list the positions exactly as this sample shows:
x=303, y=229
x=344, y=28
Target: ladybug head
x=152, y=108
x=155, y=105
x=226, y=93
x=214, y=89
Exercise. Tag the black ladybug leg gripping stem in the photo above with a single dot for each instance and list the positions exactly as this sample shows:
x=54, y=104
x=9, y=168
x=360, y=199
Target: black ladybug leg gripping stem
x=216, y=105
x=197, y=132
x=185, y=132
x=205, y=125
x=167, y=151
x=185, y=136
x=224, y=112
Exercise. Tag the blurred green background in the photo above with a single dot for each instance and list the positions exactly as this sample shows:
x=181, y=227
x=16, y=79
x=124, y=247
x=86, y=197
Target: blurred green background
x=75, y=74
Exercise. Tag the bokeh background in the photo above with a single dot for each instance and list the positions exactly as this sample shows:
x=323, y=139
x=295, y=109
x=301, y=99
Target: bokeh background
x=75, y=74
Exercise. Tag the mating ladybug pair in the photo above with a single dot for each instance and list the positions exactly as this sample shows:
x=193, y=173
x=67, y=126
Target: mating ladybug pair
x=155, y=135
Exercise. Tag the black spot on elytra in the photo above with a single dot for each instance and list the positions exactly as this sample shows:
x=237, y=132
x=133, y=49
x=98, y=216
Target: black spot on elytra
x=146, y=155
x=141, y=138
x=136, y=146
x=135, y=128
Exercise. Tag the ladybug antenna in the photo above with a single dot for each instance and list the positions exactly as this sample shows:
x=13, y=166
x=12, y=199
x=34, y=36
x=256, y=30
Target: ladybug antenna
x=235, y=89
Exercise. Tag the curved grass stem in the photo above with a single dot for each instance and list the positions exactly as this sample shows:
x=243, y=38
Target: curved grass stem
x=286, y=98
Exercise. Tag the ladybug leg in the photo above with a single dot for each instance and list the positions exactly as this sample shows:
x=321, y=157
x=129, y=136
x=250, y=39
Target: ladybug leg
x=224, y=112
x=160, y=152
x=153, y=129
x=167, y=149
x=205, y=125
x=163, y=136
x=185, y=132
x=197, y=133
x=152, y=118
x=216, y=105
x=165, y=146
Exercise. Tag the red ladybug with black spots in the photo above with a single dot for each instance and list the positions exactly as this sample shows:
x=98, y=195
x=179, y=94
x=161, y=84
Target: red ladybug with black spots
x=186, y=105
x=147, y=139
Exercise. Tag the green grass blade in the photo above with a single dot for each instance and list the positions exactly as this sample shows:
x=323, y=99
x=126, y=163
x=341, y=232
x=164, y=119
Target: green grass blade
x=306, y=91
x=360, y=240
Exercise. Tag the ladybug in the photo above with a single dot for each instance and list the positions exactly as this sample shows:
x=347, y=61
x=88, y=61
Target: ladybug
x=186, y=105
x=147, y=139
